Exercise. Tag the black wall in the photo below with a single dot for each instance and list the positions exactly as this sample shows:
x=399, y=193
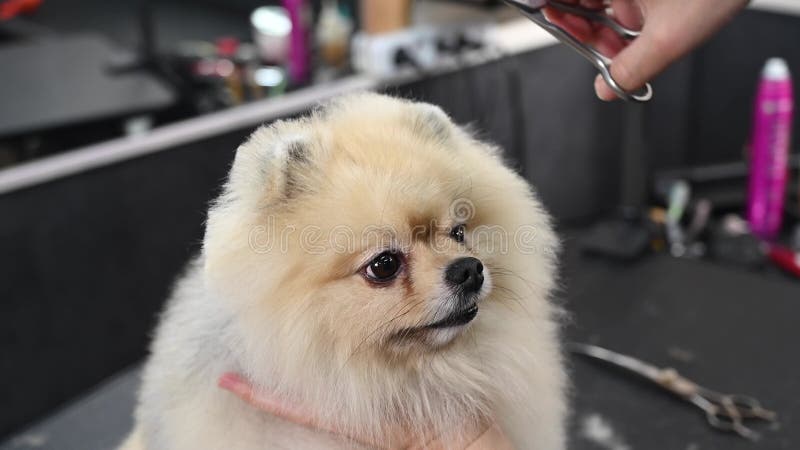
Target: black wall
x=87, y=261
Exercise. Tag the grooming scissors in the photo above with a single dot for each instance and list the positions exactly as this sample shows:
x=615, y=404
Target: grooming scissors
x=534, y=10
x=725, y=412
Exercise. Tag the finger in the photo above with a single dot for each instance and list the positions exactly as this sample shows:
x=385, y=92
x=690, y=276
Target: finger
x=591, y=4
x=639, y=62
x=608, y=42
x=577, y=26
x=492, y=439
x=602, y=90
x=602, y=38
x=433, y=444
x=628, y=13
x=479, y=434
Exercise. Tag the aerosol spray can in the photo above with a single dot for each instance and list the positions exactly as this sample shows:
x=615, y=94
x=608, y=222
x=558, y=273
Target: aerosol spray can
x=769, y=150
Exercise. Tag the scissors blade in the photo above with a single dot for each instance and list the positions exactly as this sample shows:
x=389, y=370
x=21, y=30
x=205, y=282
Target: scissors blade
x=528, y=4
x=626, y=362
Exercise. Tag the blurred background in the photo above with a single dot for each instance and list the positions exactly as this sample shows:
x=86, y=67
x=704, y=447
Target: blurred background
x=119, y=120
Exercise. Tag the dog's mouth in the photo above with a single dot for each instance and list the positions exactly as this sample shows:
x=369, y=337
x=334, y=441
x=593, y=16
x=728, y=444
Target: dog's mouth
x=442, y=330
x=453, y=320
x=456, y=318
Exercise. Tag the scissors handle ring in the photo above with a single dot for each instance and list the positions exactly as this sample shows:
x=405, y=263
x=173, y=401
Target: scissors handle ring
x=644, y=94
x=727, y=422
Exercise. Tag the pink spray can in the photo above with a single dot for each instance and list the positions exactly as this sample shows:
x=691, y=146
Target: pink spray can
x=299, y=50
x=769, y=150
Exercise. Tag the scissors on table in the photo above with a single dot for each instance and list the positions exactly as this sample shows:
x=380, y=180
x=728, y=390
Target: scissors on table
x=534, y=10
x=725, y=412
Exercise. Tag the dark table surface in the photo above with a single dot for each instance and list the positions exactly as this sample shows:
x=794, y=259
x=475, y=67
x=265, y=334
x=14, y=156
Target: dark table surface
x=60, y=80
x=727, y=329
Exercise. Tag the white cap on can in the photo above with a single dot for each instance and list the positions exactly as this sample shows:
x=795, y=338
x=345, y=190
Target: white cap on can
x=775, y=69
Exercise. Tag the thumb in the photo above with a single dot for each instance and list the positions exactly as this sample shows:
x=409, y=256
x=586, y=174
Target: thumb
x=635, y=65
x=492, y=439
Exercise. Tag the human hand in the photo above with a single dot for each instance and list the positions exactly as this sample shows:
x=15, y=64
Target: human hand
x=669, y=30
x=485, y=438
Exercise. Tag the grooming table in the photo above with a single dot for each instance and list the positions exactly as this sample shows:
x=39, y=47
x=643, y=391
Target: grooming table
x=730, y=330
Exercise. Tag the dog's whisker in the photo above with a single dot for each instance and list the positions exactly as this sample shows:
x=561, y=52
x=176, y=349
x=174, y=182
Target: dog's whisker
x=502, y=271
x=514, y=297
x=402, y=313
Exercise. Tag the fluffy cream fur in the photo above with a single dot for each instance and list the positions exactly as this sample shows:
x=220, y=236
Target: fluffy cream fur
x=278, y=293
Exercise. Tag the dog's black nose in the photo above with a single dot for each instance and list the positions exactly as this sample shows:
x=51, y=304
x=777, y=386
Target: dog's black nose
x=465, y=273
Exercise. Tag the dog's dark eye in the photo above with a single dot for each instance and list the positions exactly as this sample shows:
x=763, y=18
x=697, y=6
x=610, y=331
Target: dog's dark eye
x=384, y=267
x=457, y=233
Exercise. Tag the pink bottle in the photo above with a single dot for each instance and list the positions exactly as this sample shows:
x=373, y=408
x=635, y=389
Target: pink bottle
x=299, y=51
x=769, y=149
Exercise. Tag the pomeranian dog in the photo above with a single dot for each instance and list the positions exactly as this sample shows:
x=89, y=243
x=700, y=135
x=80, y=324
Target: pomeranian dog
x=377, y=264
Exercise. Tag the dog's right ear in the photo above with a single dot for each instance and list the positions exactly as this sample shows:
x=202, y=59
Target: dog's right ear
x=269, y=167
x=431, y=121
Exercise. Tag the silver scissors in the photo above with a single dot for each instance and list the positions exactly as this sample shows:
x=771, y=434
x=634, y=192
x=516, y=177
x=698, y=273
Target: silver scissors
x=725, y=412
x=533, y=10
